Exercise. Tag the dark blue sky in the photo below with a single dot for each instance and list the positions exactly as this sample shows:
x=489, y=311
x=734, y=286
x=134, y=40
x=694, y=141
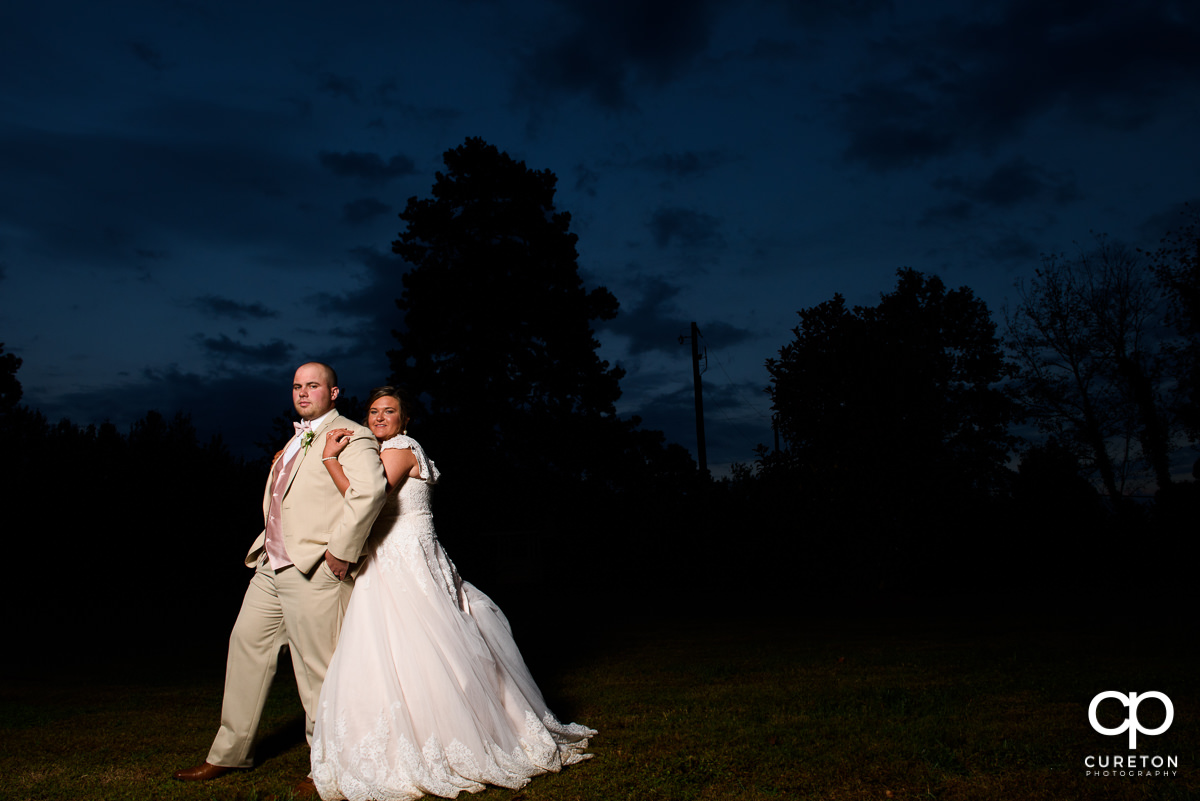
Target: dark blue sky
x=200, y=195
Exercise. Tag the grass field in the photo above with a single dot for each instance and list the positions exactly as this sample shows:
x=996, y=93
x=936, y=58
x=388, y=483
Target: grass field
x=723, y=709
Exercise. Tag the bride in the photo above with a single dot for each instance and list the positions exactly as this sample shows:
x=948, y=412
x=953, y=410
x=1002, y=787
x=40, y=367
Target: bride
x=426, y=692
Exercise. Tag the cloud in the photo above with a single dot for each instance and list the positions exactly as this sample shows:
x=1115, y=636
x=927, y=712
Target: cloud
x=956, y=211
x=1013, y=248
x=1170, y=220
x=656, y=322
x=367, y=314
x=1013, y=183
x=148, y=55
x=774, y=52
x=891, y=127
x=363, y=209
x=972, y=84
x=339, y=86
x=586, y=180
x=688, y=227
x=607, y=45
x=687, y=164
x=820, y=12
x=368, y=166
x=215, y=306
x=387, y=94
x=274, y=352
x=358, y=323
x=195, y=184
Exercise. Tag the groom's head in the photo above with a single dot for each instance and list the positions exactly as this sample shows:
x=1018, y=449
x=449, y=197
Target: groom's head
x=314, y=389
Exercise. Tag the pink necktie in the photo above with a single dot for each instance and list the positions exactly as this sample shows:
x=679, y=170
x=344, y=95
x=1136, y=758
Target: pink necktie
x=276, y=551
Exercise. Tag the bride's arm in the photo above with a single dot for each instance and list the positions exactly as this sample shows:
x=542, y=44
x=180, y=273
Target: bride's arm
x=336, y=442
x=399, y=464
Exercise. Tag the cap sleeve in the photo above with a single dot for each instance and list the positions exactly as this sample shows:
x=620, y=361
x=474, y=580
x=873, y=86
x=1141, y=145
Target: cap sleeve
x=425, y=465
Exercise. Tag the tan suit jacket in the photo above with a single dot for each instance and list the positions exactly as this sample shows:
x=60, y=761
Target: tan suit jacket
x=315, y=516
x=301, y=606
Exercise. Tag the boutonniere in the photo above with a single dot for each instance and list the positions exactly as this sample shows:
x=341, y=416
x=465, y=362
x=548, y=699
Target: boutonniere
x=306, y=440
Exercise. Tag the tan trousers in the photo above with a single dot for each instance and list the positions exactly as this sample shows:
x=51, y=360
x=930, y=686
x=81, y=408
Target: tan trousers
x=279, y=608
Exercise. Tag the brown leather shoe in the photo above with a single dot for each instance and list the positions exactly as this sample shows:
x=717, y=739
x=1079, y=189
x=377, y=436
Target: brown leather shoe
x=202, y=773
x=305, y=789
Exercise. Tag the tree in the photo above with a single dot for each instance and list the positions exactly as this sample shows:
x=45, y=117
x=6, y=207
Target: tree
x=895, y=437
x=896, y=401
x=497, y=337
x=1176, y=266
x=1087, y=336
x=10, y=387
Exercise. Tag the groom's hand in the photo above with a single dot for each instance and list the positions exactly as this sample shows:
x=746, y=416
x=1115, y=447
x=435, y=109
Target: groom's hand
x=340, y=568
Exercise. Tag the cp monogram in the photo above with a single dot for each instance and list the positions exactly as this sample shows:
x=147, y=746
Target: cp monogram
x=1131, y=722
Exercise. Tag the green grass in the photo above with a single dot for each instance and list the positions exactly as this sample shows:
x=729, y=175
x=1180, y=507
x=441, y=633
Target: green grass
x=722, y=710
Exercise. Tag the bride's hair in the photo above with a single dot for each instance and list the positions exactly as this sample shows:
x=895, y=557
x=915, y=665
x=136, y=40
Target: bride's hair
x=391, y=392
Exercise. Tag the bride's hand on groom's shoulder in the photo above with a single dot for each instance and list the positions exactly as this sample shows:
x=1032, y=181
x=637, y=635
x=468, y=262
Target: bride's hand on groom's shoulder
x=336, y=441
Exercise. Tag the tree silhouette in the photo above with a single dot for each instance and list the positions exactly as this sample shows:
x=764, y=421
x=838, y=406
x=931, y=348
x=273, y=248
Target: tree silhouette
x=1087, y=334
x=497, y=336
x=497, y=318
x=1176, y=265
x=10, y=387
x=127, y=483
x=897, y=399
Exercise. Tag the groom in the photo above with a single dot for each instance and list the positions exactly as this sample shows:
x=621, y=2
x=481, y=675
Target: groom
x=302, y=561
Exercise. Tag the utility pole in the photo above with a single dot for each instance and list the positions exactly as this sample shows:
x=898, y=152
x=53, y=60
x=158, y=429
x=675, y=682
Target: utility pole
x=701, y=451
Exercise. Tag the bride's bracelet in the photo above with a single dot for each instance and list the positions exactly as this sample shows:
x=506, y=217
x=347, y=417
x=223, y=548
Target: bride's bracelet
x=327, y=458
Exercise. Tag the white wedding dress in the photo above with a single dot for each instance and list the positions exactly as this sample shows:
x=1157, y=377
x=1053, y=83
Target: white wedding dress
x=427, y=692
